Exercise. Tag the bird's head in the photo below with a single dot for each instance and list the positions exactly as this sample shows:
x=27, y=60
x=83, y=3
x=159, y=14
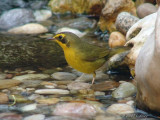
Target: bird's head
x=66, y=39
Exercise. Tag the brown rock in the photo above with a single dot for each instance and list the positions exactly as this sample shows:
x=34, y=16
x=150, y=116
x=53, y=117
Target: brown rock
x=145, y=9
x=104, y=86
x=48, y=101
x=77, y=6
x=139, y=2
x=10, y=116
x=116, y=39
x=3, y=98
x=111, y=10
x=8, y=83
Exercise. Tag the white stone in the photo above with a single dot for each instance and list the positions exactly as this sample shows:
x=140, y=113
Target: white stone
x=75, y=31
x=30, y=28
x=51, y=91
x=29, y=107
x=42, y=15
x=120, y=109
x=31, y=77
x=35, y=117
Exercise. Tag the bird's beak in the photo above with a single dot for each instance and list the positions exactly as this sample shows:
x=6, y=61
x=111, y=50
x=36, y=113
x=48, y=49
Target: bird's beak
x=51, y=38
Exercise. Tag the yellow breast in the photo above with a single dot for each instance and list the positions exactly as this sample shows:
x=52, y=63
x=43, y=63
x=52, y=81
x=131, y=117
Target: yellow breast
x=74, y=60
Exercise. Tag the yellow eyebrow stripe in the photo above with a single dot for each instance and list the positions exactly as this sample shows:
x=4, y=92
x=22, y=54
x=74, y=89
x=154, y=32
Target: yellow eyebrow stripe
x=63, y=35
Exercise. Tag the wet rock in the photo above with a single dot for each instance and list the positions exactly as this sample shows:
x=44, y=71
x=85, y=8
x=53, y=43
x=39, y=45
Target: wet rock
x=31, y=83
x=97, y=105
x=97, y=93
x=49, y=85
x=9, y=76
x=78, y=86
x=88, y=77
x=4, y=98
x=29, y=107
x=104, y=86
x=42, y=15
x=37, y=4
x=77, y=6
x=66, y=99
x=63, y=82
x=74, y=109
x=120, y=109
x=81, y=23
x=19, y=99
x=30, y=28
x=35, y=117
x=124, y=90
x=48, y=101
x=116, y=39
x=64, y=118
x=2, y=76
x=125, y=21
x=9, y=83
x=10, y=116
x=15, y=17
x=31, y=77
x=52, y=91
x=108, y=117
x=111, y=10
x=139, y=2
x=63, y=76
x=75, y=31
x=145, y=9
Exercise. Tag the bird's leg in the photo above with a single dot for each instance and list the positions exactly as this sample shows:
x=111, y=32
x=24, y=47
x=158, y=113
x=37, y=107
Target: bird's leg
x=94, y=76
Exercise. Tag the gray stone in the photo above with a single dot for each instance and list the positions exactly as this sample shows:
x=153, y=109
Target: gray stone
x=2, y=76
x=15, y=17
x=31, y=77
x=126, y=89
x=146, y=9
x=125, y=21
x=42, y=15
x=63, y=76
x=78, y=86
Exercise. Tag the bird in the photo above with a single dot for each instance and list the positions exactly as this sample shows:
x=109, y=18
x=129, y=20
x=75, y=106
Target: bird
x=83, y=56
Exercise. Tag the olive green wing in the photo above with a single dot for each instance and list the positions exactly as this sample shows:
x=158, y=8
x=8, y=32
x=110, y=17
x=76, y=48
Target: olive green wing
x=89, y=52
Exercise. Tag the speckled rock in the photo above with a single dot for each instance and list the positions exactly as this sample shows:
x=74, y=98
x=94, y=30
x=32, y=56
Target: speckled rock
x=74, y=109
x=116, y=39
x=126, y=89
x=30, y=28
x=9, y=83
x=120, y=109
x=63, y=76
x=15, y=17
x=42, y=15
x=111, y=10
x=78, y=86
x=35, y=117
x=146, y=9
x=125, y=21
x=31, y=77
x=51, y=91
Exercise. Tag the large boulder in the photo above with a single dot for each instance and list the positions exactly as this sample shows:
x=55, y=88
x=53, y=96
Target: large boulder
x=111, y=10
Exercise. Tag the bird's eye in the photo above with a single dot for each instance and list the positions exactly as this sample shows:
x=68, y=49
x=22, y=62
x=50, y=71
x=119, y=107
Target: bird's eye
x=60, y=37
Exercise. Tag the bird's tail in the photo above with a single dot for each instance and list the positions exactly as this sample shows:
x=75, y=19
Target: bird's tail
x=118, y=50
